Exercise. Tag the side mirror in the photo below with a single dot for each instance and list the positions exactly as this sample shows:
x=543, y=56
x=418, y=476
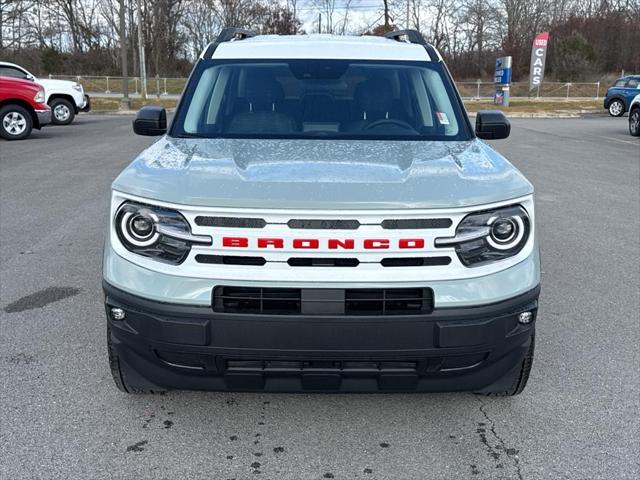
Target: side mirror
x=151, y=121
x=30, y=77
x=492, y=125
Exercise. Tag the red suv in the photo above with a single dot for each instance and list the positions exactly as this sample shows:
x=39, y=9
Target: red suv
x=22, y=108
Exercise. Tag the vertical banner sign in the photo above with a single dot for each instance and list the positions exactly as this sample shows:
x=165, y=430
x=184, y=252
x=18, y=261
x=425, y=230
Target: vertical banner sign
x=538, y=57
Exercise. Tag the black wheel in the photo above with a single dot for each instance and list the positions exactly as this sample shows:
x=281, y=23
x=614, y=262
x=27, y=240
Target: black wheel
x=15, y=122
x=634, y=122
x=120, y=375
x=62, y=111
x=616, y=108
x=521, y=376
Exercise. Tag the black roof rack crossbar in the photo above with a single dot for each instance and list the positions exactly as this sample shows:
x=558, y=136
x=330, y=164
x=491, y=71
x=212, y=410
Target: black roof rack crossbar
x=227, y=35
x=414, y=36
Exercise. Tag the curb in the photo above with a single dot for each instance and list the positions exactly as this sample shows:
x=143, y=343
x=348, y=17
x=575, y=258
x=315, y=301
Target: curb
x=572, y=114
x=121, y=112
x=560, y=114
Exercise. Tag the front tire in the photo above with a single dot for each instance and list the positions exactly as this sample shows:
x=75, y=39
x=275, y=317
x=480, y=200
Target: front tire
x=62, y=111
x=616, y=108
x=634, y=122
x=520, y=376
x=120, y=375
x=15, y=122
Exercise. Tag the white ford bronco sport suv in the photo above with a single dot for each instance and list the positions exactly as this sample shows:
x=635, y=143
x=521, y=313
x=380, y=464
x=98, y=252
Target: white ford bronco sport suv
x=321, y=216
x=65, y=98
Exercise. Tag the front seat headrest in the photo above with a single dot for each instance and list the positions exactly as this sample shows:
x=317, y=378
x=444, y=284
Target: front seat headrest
x=374, y=96
x=263, y=94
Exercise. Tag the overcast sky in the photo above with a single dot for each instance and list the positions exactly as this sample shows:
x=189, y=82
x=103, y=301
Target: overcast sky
x=362, y=14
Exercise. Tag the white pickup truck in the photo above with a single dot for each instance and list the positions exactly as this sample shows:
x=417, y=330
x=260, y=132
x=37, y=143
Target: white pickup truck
x=65, y=98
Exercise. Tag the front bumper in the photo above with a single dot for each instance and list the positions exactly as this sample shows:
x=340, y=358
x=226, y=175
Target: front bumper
x=44, y=117
x=86, y=105
x=165, y=346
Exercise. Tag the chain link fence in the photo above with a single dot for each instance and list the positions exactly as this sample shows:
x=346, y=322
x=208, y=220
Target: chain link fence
x=166, y=86
x=156, y=86
x=551, y=90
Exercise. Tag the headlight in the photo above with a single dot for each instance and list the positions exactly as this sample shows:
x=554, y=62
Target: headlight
x=77, y=86
x=39, y=98
x=489, y=236
x=156, y=232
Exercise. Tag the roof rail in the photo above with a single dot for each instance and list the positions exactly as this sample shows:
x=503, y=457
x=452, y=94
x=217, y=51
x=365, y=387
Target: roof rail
x=414, y=36
x=227, y=35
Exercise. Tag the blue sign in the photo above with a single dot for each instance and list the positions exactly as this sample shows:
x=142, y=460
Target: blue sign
x=503, y=71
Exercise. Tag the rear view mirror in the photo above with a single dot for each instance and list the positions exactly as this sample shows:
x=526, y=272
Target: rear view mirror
x=151, y=121
x=492, y=125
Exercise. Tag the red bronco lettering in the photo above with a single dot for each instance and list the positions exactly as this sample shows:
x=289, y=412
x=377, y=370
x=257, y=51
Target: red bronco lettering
x=328, y=244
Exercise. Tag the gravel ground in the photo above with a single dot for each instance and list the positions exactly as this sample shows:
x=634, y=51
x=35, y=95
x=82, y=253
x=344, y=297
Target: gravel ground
x=62, y=417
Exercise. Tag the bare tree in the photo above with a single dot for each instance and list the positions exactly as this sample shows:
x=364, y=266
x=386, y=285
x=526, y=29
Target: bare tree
x=125, y=103
x=202, y=23
x=84, y=36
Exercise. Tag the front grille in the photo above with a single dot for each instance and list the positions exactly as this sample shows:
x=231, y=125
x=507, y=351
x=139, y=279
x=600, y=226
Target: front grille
x=416, y=224
x=262, y=246
x=324, y=224
x=415, y=261
x=230, y=222
x=323, y=262
x=296, y=301
x=230, y=260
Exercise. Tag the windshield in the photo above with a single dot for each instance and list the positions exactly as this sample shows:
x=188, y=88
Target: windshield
x=320, y=98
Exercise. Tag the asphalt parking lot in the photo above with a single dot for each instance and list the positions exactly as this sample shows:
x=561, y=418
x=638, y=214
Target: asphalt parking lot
x=62, y=417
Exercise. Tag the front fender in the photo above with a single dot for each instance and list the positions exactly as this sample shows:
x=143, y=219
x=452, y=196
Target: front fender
x=617, y=96
x=63, y=91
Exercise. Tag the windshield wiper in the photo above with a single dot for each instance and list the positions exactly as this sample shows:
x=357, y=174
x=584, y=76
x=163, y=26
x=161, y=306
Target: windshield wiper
x=189, y=135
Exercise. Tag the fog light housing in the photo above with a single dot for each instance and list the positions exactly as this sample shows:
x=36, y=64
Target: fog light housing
x=525, y=318
x=117, y=314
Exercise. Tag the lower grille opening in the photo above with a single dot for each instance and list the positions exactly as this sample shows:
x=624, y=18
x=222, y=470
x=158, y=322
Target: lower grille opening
x=323, y=262
x=356, y=301
x=389, y=301
x=276, y=301
x=331, y=366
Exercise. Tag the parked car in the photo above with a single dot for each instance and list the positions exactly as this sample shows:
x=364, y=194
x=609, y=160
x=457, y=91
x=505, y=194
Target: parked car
x=22, y=108
x=619, y=96
x=634, y=116
x=321, y=215
x=65, y=98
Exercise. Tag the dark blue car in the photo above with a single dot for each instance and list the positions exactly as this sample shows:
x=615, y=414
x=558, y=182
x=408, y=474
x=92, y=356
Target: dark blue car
x=620, y=95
